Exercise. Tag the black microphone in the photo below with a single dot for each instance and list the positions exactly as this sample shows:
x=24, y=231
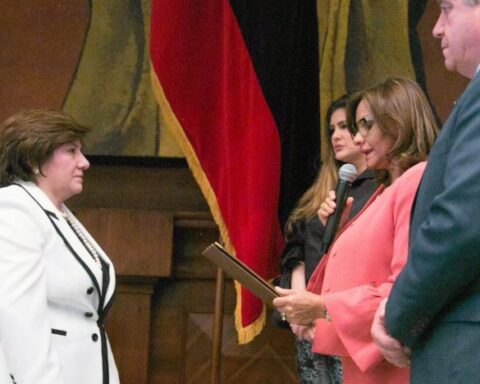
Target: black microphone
x=346, y=174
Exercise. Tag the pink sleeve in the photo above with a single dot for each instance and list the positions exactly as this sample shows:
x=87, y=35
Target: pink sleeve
x=351, y=313
x=352, y=310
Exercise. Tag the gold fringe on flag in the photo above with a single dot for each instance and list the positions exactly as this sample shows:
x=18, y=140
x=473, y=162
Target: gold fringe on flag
x=244, y=334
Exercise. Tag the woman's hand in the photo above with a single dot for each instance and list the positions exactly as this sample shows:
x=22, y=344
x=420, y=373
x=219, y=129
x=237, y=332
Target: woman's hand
x=303, y=332
x=299, y=307
x=329, y=206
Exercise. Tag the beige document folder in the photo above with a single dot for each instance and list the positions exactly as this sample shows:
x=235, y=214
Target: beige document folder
x=240, y=272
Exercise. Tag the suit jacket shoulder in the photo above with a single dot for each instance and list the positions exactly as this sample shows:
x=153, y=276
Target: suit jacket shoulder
x=444, y=254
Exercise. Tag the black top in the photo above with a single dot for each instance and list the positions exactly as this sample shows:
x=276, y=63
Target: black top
x=305, y=240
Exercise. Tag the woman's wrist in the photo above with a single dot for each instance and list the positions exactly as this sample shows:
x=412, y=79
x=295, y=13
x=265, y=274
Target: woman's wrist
x=325, y=314
x=323, y=309
x=298, y=277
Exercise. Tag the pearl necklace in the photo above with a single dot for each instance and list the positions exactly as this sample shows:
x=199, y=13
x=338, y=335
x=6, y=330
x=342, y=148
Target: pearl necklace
x=83, y=239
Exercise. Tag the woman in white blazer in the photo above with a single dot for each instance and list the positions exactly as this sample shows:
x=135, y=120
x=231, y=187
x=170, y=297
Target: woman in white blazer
x=56, y=283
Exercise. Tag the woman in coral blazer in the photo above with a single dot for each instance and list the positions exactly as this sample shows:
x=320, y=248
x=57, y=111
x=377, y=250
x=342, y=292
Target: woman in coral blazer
x=395, y=129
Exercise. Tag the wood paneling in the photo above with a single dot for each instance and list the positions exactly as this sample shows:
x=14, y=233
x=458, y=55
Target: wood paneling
x=128, y=328
x=182, y=339
x=167, y=186
x=154, y=223
x=138, y=241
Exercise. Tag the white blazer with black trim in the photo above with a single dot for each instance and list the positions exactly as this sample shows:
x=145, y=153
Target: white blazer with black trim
x=52, y=297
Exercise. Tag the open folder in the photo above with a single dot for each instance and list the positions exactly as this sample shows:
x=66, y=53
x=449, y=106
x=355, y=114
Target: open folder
x=240, y=272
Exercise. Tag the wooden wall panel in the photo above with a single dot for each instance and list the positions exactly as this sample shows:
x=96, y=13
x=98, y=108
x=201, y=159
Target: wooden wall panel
x=128, y=326
x=182, y=339
x=138, y=241
x=131, y=183
x=161, y=324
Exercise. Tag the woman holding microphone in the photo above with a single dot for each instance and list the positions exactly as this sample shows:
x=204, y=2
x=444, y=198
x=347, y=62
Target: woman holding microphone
x=395, y=128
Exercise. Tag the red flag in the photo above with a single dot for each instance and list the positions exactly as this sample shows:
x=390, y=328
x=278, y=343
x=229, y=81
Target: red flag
x=210, y=95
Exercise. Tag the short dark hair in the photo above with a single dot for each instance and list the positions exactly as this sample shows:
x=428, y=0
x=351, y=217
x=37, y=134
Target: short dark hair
x=28, y=139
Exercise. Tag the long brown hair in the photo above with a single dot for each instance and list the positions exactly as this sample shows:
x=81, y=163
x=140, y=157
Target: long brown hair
x=308, y=205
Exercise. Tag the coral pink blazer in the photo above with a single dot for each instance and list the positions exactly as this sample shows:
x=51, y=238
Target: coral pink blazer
x=357, y=273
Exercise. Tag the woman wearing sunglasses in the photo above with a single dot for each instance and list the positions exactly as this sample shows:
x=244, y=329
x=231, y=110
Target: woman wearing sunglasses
x=304, y=234
x=395, y=128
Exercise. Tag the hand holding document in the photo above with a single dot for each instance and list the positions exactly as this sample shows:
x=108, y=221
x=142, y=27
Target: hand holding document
x=240, y=272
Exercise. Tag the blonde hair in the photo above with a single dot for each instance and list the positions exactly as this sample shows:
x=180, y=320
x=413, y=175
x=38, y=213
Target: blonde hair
x=308, y=205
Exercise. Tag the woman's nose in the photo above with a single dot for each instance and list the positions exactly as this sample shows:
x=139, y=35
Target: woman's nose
x=84, y=163
x=335, y=134
x=358, y=139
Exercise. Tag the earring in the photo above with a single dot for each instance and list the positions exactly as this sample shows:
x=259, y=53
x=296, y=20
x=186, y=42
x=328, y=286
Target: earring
x=36, y=171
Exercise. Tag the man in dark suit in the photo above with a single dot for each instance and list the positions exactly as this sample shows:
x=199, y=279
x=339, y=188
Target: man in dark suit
x=432, y=316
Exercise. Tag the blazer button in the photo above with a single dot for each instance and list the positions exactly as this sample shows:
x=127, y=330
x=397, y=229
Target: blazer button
x=94, y=337
x=88, y=314
x=90, y=291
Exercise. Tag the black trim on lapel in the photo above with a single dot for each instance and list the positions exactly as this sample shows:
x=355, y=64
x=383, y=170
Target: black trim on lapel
x=101, y=293
x=105, y=367
x=109, y=304
x=50, y=214
x=82, y=263
x=100, y=310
